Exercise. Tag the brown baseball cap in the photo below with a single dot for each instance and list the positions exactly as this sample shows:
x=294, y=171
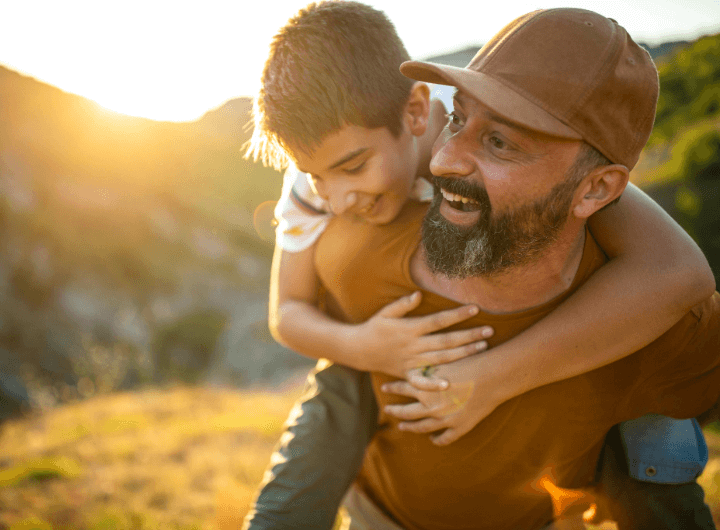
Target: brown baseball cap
x=570, y=73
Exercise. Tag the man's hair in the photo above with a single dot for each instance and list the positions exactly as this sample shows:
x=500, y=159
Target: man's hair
x=332, y=64
x=585, y=162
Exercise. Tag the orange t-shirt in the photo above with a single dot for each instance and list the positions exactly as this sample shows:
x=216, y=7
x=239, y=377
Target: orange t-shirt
x=485, y=479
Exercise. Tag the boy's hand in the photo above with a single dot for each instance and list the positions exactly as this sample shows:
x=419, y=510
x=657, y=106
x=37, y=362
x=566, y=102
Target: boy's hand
x=391, y=343
x=453, y=412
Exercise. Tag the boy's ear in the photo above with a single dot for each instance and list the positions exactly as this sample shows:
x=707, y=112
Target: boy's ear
x=601, y=187
x=417, y=109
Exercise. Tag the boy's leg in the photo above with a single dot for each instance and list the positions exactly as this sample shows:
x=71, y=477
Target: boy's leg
x=320, y=452
x=637, y=504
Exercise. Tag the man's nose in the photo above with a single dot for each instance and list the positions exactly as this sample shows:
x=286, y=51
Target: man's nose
x=450, y=155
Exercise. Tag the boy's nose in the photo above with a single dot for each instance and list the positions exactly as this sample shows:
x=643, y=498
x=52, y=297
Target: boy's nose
x=341, y=201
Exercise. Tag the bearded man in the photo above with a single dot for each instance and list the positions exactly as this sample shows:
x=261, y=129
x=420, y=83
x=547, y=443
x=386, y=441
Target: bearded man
x=548, y=119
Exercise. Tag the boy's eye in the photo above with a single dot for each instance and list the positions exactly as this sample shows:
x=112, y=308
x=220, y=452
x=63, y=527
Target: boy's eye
x=355, y=169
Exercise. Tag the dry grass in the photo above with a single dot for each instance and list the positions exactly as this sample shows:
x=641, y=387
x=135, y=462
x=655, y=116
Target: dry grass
x=180, y=458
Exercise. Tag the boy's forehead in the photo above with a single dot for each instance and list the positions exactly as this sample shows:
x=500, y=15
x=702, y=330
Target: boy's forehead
x=338, y=148
x=325, y=160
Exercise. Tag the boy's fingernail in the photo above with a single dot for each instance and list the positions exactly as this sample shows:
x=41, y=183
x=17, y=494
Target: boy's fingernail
x=473, y=310
x=481, y=345
x=443, y=384
x=384, y=388
x=487, y=332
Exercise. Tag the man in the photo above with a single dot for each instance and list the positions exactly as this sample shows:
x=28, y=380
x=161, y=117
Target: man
x=549, y=117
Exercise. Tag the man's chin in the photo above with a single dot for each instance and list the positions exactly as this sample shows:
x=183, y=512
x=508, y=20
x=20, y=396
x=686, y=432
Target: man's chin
x=457, y=217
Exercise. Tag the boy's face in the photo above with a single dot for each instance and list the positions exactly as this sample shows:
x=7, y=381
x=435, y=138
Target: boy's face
x=366, y=172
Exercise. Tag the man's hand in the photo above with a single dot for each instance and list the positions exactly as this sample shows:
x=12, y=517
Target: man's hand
x=391, y=343
x=455, y=410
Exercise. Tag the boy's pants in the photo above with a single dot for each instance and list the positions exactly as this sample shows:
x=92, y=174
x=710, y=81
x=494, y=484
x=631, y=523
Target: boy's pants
x=321, y=451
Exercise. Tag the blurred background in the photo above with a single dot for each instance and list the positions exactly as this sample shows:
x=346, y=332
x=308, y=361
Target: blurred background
x=135, y=243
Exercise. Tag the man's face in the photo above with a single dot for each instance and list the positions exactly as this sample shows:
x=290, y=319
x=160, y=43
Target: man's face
x=502, y=195
x=361, y=171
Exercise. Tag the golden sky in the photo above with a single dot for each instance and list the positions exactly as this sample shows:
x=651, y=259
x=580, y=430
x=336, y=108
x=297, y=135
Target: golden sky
x=171, y=60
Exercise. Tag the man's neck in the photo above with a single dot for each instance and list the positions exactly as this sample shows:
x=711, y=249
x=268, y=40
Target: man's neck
x=516, y=289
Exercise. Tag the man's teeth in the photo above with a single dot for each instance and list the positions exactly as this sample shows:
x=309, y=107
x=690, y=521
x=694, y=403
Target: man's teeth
x=454, y=197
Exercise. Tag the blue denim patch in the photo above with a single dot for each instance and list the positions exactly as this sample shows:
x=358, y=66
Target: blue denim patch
x=664, y=450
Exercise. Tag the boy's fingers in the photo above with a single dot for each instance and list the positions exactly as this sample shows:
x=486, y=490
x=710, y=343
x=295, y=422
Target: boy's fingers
x=453, y=354
x=411, y=411
x=444, y=319
x=401, y=306
x=454, y=339
x=401, y=388
x=425, y=383
x=446, y=437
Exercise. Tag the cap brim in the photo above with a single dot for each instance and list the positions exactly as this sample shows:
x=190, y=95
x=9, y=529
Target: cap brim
x=491, y=92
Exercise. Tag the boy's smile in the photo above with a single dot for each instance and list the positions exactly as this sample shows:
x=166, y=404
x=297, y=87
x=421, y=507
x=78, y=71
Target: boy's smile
x=361, y=171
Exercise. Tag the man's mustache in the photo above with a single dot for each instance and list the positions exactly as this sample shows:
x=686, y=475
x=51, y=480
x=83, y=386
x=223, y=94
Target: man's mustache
x=464, y=187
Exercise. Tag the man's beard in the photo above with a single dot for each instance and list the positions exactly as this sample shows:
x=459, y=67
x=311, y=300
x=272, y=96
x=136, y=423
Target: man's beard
x=497, y=241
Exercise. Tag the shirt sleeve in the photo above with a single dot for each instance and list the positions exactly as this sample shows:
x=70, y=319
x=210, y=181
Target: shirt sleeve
x=680, y=371
x=301, y=214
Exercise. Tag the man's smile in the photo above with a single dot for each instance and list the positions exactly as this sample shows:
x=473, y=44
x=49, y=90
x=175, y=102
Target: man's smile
x=464, y=204
x=459, y=209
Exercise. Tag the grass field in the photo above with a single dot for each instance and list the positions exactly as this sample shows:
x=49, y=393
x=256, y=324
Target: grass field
x=178, y=458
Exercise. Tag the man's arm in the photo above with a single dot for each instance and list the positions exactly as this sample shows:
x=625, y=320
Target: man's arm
x=319, y=454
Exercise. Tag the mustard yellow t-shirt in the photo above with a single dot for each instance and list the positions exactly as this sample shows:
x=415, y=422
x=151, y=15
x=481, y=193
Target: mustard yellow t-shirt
x=485, y=479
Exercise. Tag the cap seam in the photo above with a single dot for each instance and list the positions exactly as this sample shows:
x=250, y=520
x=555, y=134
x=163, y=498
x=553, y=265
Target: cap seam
x=612, y=53
x=504, y=40
x=562, y=117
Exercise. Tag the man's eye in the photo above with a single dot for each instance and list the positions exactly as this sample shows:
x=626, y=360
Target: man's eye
x=453, y=119
x=497, y=143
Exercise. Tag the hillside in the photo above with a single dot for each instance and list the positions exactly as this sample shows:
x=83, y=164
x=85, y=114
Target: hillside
x=131, y=251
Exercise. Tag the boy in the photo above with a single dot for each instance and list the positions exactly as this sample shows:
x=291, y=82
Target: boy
x=333, y=101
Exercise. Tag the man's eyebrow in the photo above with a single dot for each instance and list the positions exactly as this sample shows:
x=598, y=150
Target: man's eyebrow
x=494, y=117
x=348, y=157
x=490, y=115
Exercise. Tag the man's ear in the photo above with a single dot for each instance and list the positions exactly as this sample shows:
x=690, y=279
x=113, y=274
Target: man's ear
x=417, y=109
x=601, y=187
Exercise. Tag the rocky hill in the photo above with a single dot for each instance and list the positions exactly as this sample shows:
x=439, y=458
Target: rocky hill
x=131, y=250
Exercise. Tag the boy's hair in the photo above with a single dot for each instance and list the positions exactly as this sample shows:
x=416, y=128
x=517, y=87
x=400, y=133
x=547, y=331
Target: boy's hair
x=332, y=64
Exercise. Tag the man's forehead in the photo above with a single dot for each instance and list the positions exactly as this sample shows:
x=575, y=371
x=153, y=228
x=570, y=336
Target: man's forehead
x=468, y=101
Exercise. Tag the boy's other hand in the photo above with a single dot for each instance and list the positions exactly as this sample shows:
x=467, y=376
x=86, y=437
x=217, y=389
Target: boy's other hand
x=474, y=392
x=394, y=344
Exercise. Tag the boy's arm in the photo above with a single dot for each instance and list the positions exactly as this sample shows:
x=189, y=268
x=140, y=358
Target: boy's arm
x=655, y=275
x=296, y=322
